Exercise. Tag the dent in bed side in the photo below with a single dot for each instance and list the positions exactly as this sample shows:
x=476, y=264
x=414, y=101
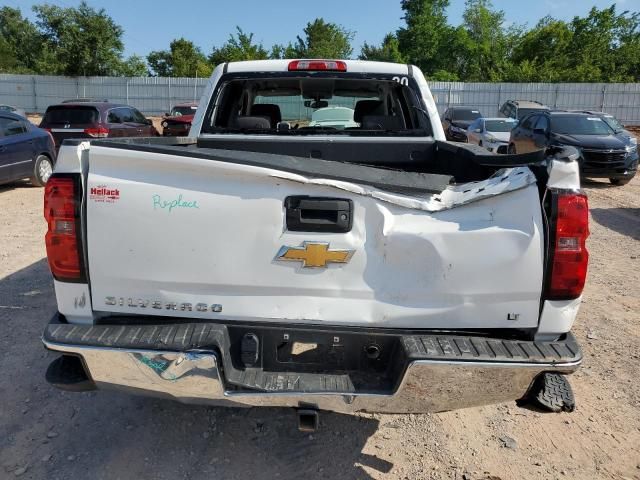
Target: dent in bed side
x=557, y=318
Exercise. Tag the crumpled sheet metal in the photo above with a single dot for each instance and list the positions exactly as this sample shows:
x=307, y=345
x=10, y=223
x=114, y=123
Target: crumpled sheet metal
x=503, y=181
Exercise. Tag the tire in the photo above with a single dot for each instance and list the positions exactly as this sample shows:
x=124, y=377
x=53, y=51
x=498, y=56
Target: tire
x=480, y=143
x=42, y=170
x=618, y=182
x=512, y=149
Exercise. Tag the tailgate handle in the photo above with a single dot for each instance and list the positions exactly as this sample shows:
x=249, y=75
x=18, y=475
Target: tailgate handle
x=318, y=214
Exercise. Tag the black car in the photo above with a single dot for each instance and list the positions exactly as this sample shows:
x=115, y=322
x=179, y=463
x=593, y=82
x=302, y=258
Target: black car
x=25, y=150
x=604, y=153
x=456, y=120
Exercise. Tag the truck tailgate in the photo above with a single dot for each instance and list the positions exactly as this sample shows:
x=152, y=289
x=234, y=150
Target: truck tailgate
x=187, y=237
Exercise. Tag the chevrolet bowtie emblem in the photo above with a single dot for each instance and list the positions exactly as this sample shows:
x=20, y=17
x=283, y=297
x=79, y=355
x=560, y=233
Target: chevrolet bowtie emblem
x=314, y=255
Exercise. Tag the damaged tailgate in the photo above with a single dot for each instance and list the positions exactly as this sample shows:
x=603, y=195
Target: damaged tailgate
x=256, y=237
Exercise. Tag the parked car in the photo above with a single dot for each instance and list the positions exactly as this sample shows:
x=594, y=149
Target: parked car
x=456, y=120
x=95, y=120
x=520, y=108
x=491, y=133
x=334, y=117
x=321, y=269
x=178, y=122
x=25, y=150
x=604, y=153
x=11, y=109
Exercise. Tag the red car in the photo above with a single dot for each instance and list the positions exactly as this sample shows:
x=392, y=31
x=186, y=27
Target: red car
x=178, y=122
x=95, y=120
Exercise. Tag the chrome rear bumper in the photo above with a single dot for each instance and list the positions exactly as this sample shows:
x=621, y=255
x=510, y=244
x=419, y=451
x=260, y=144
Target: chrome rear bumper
x=198, y=375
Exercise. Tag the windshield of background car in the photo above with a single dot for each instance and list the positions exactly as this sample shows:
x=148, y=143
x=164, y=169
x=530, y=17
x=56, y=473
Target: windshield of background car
x=499, y=125
x=340, y=117
x=316, y=104
x=613, y=122
x=580, y=125
x=75, y=115
x=179, y=111
x=465, y=114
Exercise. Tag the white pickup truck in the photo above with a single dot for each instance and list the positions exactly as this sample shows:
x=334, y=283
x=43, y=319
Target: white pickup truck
x=267, y=261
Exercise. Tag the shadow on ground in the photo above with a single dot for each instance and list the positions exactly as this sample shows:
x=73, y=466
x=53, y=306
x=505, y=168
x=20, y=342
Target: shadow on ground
x=108, y=435
x=622, y=220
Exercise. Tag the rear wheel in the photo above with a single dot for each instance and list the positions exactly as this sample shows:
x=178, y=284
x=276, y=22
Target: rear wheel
x=620, y=181
x=42, y=170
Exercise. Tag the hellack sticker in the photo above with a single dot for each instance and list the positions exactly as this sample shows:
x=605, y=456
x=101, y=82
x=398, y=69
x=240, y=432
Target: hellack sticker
x=104, y=194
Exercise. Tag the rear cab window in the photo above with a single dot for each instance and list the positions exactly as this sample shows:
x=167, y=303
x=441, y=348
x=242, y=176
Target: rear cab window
x=299, y=103
x=72, y=115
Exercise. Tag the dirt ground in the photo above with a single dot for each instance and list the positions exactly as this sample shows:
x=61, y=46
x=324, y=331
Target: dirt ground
x=49, y=434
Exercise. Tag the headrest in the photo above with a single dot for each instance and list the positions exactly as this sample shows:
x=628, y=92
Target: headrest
x=366, y=107
x=250, y=122
x=269, y=110
x=382, y=122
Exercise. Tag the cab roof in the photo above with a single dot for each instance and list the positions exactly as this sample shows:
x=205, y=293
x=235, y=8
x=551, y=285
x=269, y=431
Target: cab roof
x=353, y=66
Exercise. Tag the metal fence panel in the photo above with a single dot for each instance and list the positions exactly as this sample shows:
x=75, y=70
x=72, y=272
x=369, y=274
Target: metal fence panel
x=156, y=95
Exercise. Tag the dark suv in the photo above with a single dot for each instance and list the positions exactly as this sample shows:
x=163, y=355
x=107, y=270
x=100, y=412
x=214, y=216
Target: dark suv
x=518, y=109
x=603, y=152
x=95, y=120
x=456, y=120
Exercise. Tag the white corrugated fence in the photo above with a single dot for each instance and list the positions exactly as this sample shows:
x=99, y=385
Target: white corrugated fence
x=156, y=95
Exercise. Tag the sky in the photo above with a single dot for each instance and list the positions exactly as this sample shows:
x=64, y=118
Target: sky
x=151, y=24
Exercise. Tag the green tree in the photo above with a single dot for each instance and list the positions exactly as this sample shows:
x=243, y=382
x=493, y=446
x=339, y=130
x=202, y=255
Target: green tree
x=427, y=39
x=183, y=59
x=134, y=66
x=541, y=54
x=85, y=41
x=321, y=40
x=388, y=51
x=485, y=43
x=239, y=47
x=21, y=45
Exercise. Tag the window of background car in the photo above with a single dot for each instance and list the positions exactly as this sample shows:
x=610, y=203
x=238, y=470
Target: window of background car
x=9, y=126
x=178, y=111
x=466, y=114
x=137, y=116
x=127, y=115
x=72, y=115
x=613, y=123
x=499, y=125
x=542, y=123
x=114, y=116
x=527, y=123
x=580, y=125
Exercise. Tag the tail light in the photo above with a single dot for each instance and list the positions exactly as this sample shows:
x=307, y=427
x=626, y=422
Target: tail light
x=568, y=255
x=317, y=65
x=98, y=132
x=62, y=212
